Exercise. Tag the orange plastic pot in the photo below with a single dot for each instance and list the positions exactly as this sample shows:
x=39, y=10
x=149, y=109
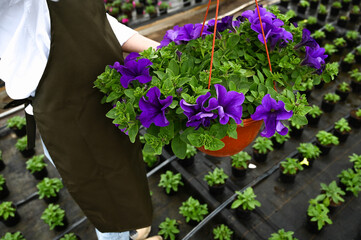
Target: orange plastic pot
x=246, y=135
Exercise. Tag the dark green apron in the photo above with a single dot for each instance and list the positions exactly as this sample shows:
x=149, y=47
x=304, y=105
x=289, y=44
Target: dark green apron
x=103, y=171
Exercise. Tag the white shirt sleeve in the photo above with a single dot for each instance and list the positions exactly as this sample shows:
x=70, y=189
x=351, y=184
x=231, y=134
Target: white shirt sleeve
x=122, y=32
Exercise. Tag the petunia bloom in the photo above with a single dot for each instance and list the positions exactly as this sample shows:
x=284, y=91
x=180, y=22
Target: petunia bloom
x=135, y=70
x=307, y=40
x=154, y=109
x=315, y=58
x=170, y=36
x=191, y=31
x=228, y=104
x=272, y=112
x=196, y=113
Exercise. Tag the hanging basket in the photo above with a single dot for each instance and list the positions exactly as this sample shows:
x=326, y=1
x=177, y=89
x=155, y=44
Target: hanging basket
x=245, y=135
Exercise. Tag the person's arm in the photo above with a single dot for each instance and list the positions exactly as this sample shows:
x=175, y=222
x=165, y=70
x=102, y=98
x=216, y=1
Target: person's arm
x=138, y=43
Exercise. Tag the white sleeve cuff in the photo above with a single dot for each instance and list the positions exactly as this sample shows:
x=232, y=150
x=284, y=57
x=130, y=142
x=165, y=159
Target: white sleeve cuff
x=122, y=32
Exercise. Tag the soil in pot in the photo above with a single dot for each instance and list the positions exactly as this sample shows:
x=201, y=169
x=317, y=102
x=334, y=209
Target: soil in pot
x=276, y=144
x=341, y=23
x=27, y=153
x=320, y=86
x=313, y=4
x=139, y=10
x=354, y=17
x=62, y=228
x=312, y=226
x=301, y=9
x=331, y=34
x=19, y=132
x=323, y=148
x=4, y=192
x=354, y=120
x=259, y=157
x=216, y=189
x=357, y=57
x=345, y=66
x=335, y=11
x=11, y=221
x=52, y=199
x=343, y=95
x=287, y=178
x=295, y=132
x=2, y=165
x=40, y=175
x=313, y=121
x=321, y=16
x=327, y=106
x=243, y=214
x=239, y=172
x=355, y=86
x=345, y=5
x=342, y=136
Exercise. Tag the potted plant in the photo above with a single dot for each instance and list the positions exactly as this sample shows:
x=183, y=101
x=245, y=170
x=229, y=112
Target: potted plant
x=189, y=157
x=355, y=118
x=356, y=160
x=2, y=164
x=55, y=217
x=317, y=216
x=261, y=147
x=329, y=101
x=4, y=191
x=127, y=9
x=13, y=236
x=70, y=236
x=308, y=152
x=330, y=31
x=352, y=38
x=139, y=8
x=22, y=146
x=325, y=2
x=239, y=163
x=289, y=169
x=311, y=23
x=302, y=6
x=335, y=8
x=343, y=90
x=282, y=235
x=193, y=211
x=314, y=115
x=342, y=129
x=170, y=182
x=322, y=12
x=345, y=4
x=355, y=75
x=319, y=36
x=296, y=129
x=151, y=10
x=179, y=84
x=314, y=4
x=331, y=195
x=330, y=49
x=350, y=181
x=354, y=14
x=49, y=188
x=306, y=87
x=222, y=232
x=279, y=140
x=37, y=167
x=325, y=141
x=151, y=2
x=342, y=21
x=8, y=214
x=169, y=229
x=340, y=44
x=358, y=54
x=347, y=62
x=18, y=125
x=163, y=7
x=123, y=19
x=284, y=3
x=151, y=160
x=216, y=181
x=245, y=203
x=114, y=11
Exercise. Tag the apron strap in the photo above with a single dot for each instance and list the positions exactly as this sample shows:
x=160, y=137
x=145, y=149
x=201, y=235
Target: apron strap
x=30, y=120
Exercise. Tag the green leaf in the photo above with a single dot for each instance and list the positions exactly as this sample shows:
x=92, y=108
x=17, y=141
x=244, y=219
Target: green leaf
x=133, y=132
x=195, y=139
x=173, y=65
x=160, y=74
x=232, y=130
x=179, y=147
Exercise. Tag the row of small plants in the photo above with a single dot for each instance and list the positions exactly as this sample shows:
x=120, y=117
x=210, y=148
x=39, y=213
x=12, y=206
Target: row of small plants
x=332, y=195
x=19, y=236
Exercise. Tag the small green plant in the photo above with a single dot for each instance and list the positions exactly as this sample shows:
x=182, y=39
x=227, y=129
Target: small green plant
x=291, y=166
x=36, y=163
x=318, y=212
x=309, y=151
x=7, y=210
x=217, y=177
x=150, y=9
x=49, y=187
x=311, y=20
x=69, y=236
x=306, y=85
x=330, y=28
x=344, y=87
x=352, y=181
x=22, y=143
x=318, y=34
x=339, y=42
x=281, y=138
x=138, y=4
x=337, y=4
x=330, y=193
x=127, y=7
x=263, y=145
x=331, y=97
x=326, y=138
x=358, y=50
x=356, y=160
x=322, y=9
x=315, y=111
x=355, y=74
x=358, y=112
x=343, y=18
x=304, y=3
x=246, y=200
x=150, y=159
x=240, y=160
x=330, y=48
x=53, y=215
x=13, y=236
x=342, y=125
x=168, y=229
x=222, y=232
x=295, y=124
x=353, y=35
x=2, y=182
x=191, y=151
x=170, y=181
x=355, y=9
x=282, y=235
x=193, y=210
x=163, y=5
x=16, y=122
x=290, y=14
x=350, y=58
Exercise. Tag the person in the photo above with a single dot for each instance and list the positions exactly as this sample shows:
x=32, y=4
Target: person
x=51, y=52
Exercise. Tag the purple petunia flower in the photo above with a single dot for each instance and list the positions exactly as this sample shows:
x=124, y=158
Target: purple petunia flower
x=272, y=112
x=223, y=24
x=134, y=70
x=315, y=58
x=153, y=109
x=116, y=66
x=131, y=57
x=307, y=40
x=228, y=104
x=196, y=113
x=191, y=31
x=170, y=36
